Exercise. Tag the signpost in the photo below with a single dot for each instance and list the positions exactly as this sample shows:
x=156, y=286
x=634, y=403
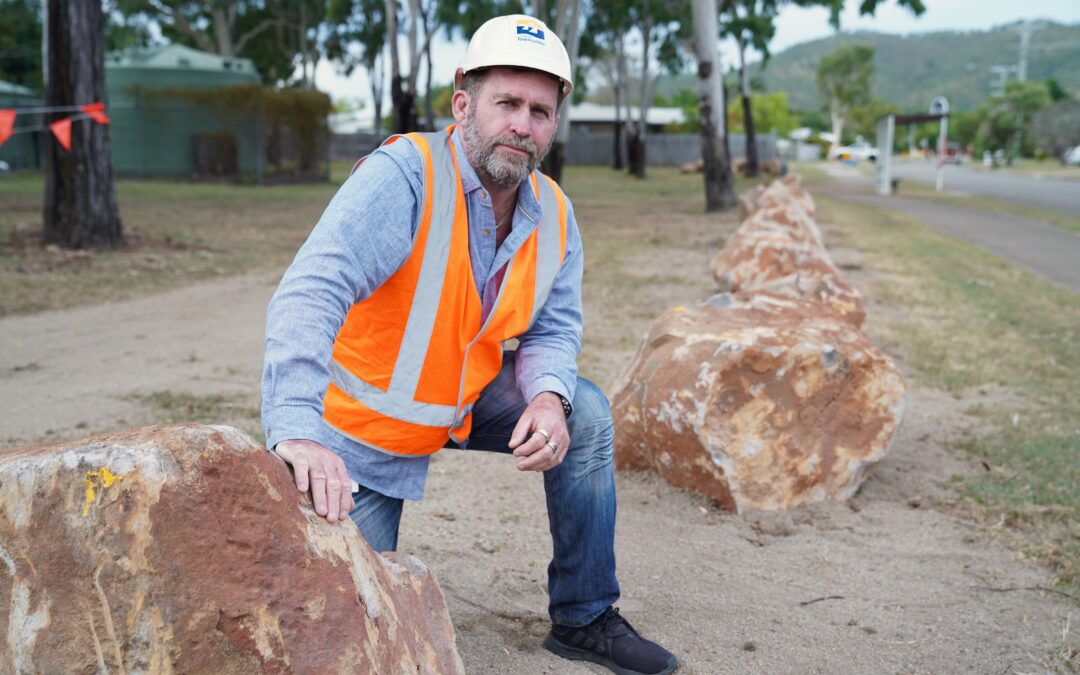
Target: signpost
x=940, y=107
x=886, y=131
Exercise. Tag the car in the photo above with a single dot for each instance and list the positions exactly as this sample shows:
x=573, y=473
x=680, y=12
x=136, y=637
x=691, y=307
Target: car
x=860, y=150
x=1071, y=156
x=955, y=153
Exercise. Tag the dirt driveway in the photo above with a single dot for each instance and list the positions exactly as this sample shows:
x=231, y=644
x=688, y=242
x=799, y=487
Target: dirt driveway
x=888, y=583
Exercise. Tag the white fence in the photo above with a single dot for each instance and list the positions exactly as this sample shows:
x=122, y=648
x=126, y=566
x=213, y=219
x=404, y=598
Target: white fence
x=595, y=148
x=660, y=149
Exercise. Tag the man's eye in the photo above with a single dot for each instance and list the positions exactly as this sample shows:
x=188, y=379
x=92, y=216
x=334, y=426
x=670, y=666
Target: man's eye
x=540, y=112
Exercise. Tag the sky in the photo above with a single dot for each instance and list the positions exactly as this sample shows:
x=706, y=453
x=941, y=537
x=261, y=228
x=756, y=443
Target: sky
x=794, y=25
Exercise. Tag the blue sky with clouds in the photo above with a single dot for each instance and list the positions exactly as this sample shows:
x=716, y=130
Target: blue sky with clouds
x=794, y=25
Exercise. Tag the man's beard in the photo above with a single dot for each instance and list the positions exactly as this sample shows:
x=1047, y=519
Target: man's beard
x=505, y=169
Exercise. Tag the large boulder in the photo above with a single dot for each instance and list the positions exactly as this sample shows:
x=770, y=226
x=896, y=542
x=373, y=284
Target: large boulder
x=189, y=549
x=767, y=402
x=784, y=190
x=779, y=248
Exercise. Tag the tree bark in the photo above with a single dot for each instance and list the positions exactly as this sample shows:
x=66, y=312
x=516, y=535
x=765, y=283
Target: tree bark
x=748, y=115
x=80, y=197
x=719, y=183
x=568, y=27
x=619, y=85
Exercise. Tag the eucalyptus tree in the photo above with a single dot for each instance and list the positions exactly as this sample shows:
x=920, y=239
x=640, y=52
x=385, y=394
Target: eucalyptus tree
x=752, y=24
x=357, y=38
x=80, y=209
x=719, y=181
x=603, y=45
x=657, y=24
x=843, y=79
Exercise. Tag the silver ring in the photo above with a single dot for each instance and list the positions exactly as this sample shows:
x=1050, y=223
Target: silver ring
x=554, y=448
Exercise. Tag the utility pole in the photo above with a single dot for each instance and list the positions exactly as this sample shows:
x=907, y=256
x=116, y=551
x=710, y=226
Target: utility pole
x=1024, y=30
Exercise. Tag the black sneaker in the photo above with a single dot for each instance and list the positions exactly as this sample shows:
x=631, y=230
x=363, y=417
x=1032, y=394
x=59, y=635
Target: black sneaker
x=612, y=642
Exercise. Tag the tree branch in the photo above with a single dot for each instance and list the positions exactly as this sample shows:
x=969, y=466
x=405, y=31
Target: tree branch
x=251, y=34
x=180, y=22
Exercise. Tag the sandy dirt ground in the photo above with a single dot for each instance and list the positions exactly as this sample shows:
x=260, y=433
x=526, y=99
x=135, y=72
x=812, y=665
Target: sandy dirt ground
x=890, y=582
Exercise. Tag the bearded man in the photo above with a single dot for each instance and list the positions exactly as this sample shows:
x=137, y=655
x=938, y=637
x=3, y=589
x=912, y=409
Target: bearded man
x=384, y=341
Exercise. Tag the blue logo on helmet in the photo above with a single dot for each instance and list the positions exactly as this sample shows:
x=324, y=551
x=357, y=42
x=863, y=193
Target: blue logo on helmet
x=530, y=31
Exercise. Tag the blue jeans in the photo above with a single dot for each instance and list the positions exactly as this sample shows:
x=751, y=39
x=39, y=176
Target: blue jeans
x=580, y=497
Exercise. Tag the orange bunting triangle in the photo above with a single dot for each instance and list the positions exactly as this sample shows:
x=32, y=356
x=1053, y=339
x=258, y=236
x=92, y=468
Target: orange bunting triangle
x=96, y=112
x=7, y=123
x=62, y=131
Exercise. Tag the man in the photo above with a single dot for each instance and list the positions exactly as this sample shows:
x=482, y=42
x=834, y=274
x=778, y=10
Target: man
x=384, y=341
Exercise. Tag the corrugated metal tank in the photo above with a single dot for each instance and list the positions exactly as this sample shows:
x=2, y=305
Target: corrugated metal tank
x=21, y=151
x=152, y=133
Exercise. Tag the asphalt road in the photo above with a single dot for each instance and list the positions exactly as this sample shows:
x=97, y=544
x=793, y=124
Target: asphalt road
x=1051, y=193
x=1051, y=252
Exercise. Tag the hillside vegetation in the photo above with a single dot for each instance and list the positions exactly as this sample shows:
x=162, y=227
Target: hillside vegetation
x=910, y=70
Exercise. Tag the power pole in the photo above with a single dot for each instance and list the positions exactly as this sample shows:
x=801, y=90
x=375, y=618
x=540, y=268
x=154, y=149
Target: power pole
x=1024, y=30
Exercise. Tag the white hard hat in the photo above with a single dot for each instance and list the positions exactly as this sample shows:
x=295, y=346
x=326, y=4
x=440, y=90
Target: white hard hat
x=521, y=41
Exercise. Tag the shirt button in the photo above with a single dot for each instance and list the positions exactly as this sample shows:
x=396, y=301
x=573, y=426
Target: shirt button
x=483, y=195
x=487, y=232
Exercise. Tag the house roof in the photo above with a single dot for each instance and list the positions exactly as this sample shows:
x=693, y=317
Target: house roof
x=178, y=57
x=9, y=88
x=585, y=112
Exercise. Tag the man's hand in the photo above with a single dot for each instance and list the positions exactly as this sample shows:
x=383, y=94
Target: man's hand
x=324, y=471
x=540, y=437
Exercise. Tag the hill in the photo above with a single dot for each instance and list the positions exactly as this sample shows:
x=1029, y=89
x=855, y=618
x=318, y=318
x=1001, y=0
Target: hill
x=910, y=70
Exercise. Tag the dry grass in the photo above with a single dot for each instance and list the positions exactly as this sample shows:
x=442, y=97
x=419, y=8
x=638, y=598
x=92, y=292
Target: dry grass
x=967, y=320
x=176, y=233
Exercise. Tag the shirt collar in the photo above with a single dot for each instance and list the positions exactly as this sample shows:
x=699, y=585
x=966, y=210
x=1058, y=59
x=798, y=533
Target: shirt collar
x=470, y=182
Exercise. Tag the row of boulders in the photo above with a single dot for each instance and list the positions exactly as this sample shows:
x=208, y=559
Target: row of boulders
x=189, y=549
x=768, y=395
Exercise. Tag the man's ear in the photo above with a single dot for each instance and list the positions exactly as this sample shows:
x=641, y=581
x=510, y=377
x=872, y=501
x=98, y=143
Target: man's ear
x=459, y=105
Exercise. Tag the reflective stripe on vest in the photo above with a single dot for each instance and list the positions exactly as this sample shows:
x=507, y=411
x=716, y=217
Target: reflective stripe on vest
x=422, y=427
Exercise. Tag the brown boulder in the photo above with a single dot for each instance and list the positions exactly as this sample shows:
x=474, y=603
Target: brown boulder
x=783, y=191
x=779, y=249
x=188, y=549
x=765, y=402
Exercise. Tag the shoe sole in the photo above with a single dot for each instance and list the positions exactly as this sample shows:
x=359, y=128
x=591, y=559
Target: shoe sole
x=559, y=649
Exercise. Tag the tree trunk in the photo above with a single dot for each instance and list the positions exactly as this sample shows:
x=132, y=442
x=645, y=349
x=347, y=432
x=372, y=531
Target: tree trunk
x=568, y=27
x=80, y=197
x=719, y=183
x=748, y=116
x=377, y=76
x=619, y=84
x=637, y=164
x=429, y=105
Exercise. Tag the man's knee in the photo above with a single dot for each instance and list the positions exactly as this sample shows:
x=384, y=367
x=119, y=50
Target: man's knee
x=592, y=433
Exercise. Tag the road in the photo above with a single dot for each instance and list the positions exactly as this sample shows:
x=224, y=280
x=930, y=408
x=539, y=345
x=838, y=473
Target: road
x=1050, y=252
x=1057, y=194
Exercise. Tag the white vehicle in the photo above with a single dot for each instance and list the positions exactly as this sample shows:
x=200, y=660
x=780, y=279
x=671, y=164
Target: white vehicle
x=1072, y=156
x=860, y=150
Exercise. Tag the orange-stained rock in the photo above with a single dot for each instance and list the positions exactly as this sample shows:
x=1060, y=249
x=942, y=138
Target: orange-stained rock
x=188, y=549
x=779, y=248
x=785, y=190
x=765, y=402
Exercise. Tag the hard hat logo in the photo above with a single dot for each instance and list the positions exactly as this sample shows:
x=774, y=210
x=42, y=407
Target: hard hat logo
x=530, y=29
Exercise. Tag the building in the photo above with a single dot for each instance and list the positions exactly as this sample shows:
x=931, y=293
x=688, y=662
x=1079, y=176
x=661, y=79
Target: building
x=155, y=127
x=21, y=151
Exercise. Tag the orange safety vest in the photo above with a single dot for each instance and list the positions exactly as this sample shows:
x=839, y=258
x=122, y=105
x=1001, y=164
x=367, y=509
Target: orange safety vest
x=410, y=360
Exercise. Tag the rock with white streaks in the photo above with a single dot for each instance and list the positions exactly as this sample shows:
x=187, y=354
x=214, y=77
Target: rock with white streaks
x=779, y=248
x=188, y=549
x=765, y=402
